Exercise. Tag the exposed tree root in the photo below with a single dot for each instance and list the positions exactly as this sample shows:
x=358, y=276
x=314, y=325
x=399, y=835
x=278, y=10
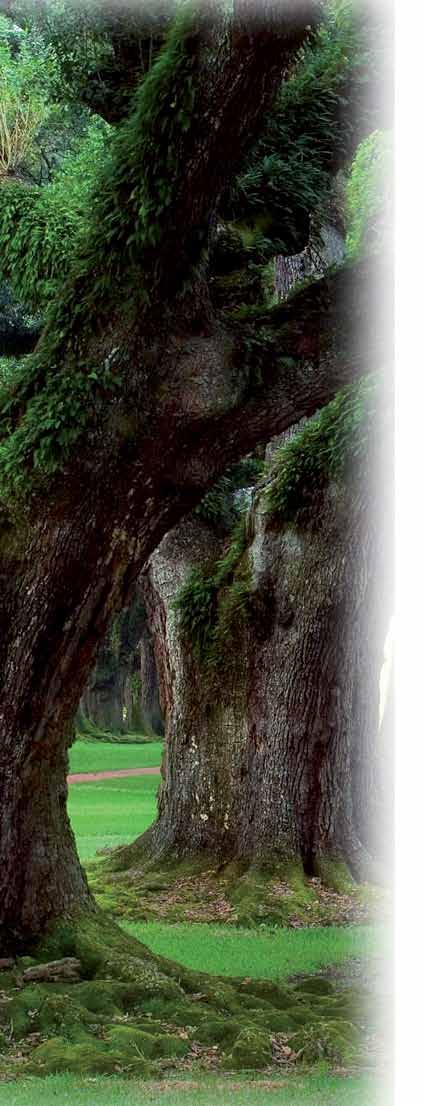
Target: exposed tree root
x=136, y=1013
x=130, y=885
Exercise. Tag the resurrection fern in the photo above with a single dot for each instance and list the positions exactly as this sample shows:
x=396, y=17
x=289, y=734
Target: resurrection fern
x=222, y=504
x=308, y=134
x=210, y=600
x=57, y=388
x=331, y=446
x=369, y=195
x=285, y=189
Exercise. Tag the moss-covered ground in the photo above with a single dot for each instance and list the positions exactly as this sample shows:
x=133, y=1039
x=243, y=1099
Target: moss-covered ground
x=133, y=887
x=111, y=813
x=249, y=1033
x=133, y=1013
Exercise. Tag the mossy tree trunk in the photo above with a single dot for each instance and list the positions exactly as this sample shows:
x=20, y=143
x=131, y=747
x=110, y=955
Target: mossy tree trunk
x=78, y=527
x=273, y=754
x=204, y=732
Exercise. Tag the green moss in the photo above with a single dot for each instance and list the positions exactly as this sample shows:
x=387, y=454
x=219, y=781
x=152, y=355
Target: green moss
x=253, y=894
x=101, y=997
x=331, y=446
x=61, y=1015
x=91, y=1058
x=213, y=601
x=275, y=995
x=129, y=1041
x=335, y=874
x=20, y=1010
x=222, y=1031
x=252, y=1049
x=334, y=1041
x=314, y=986
x=281, y=1022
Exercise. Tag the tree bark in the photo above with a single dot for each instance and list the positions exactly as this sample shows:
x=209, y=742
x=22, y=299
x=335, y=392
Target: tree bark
x=303, y=790
x=192, y=397
x=150, y=716
x=275, y=755
x=204, y=732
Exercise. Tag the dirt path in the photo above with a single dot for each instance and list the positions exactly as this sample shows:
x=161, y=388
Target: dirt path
x=92, y=777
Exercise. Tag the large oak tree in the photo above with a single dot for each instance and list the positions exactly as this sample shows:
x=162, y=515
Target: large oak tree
x=137, y=397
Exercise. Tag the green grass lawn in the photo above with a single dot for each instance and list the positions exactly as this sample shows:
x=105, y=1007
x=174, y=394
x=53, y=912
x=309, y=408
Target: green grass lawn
x=111, y=812
x=297, y=1090
x=259, y=953
x=102, y=756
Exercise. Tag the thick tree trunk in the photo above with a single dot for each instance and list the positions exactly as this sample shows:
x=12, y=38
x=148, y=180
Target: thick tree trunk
x=204, y=731
x=170, y=399
x=71, y=566
x=275, y=755
x=40, y=865
x=300, y=769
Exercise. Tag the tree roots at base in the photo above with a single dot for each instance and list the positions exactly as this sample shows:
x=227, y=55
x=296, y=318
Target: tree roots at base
x=276, y=892
x=133, y=1012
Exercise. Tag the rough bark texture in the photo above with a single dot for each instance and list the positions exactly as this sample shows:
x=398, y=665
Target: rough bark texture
x=150, y=715
x=311, y=585
x=328, y=250
x=204, y=732
x=190, y=402
x=275, y=754
x=121, y=695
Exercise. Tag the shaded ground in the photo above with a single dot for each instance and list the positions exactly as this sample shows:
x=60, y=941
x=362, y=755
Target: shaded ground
x=241, y=894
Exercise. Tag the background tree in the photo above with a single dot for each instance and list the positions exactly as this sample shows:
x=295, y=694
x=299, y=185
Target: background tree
x=121, y=695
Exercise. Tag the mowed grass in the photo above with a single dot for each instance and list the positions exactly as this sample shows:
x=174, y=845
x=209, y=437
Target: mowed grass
x=111, y=812
x=260, y=954
x=71, y=1090
x=102, y=756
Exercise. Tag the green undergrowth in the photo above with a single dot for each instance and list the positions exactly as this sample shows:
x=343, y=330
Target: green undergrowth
x=130, y=885
x=135, y=1013
x=314, y=1090
x=96, y=756
x=264, y=952
x=111, y=812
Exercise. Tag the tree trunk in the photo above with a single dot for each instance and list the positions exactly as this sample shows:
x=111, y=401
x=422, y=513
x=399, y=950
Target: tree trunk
x=311, y=584
x=150, y=716
x=275, y=754
x=204, y=732
x=136, y=400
